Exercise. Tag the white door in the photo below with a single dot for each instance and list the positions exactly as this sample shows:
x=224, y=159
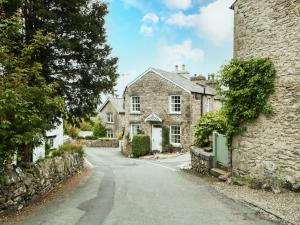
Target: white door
x=156, y=139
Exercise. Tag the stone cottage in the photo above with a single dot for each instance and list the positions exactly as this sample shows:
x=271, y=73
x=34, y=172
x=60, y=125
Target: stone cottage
x=112, y=115
x=270, y=146
x=166, y=105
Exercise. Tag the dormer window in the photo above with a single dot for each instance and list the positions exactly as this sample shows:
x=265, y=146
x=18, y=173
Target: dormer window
x=175, y=104
x=110, y=117
x=135, y=104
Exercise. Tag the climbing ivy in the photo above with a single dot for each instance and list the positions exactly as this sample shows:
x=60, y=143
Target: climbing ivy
x=245, y=86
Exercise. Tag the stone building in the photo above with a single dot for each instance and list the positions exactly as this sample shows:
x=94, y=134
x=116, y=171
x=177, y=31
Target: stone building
x=112, y=115
x=270, y=146
x=166, y=105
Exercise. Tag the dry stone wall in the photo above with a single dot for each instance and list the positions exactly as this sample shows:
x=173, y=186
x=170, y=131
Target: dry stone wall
x=270, y=146
x=21, y=185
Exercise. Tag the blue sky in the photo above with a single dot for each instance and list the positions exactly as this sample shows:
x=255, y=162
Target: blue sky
x=163, y=33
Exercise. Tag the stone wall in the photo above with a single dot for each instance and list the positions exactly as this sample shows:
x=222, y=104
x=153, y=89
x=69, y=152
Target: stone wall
x=21, y=185
x=270, y=146
x=201, y=161
x=103, y=143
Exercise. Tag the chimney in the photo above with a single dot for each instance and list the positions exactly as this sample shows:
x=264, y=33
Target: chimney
x=183, y=67
x=176, y=68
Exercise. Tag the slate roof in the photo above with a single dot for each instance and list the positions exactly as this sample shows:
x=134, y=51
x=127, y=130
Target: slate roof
x=183, y=82
x=117, y=103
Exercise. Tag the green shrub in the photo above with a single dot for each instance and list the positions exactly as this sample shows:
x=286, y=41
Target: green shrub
x=99, y=130
x=140, y=145
x=69, y=147
x=207, y=124
x=86, y=126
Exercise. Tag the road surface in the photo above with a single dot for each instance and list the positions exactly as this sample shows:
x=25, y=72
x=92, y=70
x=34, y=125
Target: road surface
x=122, y=191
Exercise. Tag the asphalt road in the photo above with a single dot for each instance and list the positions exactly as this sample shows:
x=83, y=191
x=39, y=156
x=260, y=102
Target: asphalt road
x=122, y=191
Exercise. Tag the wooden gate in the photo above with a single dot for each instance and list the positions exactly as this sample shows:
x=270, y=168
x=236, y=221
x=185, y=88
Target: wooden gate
x=220, y=149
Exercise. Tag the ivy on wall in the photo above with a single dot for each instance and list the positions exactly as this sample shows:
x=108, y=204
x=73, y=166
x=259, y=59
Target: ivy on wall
x=245, y=86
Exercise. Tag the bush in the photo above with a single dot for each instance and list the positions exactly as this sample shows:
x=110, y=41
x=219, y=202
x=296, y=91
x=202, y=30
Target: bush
x=207, y=124
x=140, y=145
x=71, y=148
x=99, y=130
x=86, y=126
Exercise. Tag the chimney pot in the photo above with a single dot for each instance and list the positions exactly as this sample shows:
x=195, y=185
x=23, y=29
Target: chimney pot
x=183, y=67
x=176, y=68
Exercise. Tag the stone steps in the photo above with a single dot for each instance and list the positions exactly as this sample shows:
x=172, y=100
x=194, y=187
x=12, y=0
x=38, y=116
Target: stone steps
x=223, y=175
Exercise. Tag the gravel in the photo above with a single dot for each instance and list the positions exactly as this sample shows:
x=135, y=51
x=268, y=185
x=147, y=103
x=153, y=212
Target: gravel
x=284, y=207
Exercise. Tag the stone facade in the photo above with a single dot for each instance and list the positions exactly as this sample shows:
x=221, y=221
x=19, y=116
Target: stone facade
x=21, y=185
x=154, y=92
x=117, y=124
x=270, y=146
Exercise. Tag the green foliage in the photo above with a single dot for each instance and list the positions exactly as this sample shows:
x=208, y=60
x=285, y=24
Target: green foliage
x=79, y=38
x=71, y=130
x=28, y=107
x=246, y=86
x=70, y=148
x=166, y=139
x=99, y=130
x=140, y=145
x=86, y=126
x=207, y=124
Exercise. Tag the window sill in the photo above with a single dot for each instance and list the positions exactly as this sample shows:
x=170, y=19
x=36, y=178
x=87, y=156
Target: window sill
x=135, y=113
x=110, y=122
x=175, y=113
x=176, y=145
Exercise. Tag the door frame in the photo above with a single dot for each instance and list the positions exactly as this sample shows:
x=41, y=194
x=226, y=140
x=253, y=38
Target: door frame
x=158, y=127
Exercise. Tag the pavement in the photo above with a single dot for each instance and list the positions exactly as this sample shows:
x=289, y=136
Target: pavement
x=123, y=191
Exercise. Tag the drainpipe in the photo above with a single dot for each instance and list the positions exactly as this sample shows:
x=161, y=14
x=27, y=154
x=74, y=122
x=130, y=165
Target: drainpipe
x=202, y=103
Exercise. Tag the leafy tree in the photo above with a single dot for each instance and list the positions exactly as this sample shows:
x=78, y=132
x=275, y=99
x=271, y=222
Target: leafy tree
x=99, y=130
x=207, y=124
x=28, y=106
x=78, y=59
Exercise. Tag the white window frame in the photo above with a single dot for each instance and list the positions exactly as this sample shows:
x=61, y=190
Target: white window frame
x=134, y=127
x=172, y=142
x=174, y=105
x=135, y=105
x=209, y=104
x=109, y=133
x=110, y=117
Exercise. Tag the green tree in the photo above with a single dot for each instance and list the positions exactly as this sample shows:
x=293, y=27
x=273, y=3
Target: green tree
x=99, y=130
x=28, y=106
x=78, y=59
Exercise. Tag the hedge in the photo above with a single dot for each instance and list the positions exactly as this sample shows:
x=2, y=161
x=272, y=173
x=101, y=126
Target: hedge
x=140, y=145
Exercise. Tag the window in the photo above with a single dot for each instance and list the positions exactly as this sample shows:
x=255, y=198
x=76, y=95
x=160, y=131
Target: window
x=134, y=129
x=51, y=142
x=175, y=135
x=175, y=104
x=109, y=117
x=109, y=133
x=135, y=104
x=208, y=105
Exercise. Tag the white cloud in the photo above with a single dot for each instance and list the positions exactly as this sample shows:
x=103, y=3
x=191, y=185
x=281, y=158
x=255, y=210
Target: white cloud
x=179, y=4
x=180, y=53
x=146, y=30
x=150, y=17
x=214, y=21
